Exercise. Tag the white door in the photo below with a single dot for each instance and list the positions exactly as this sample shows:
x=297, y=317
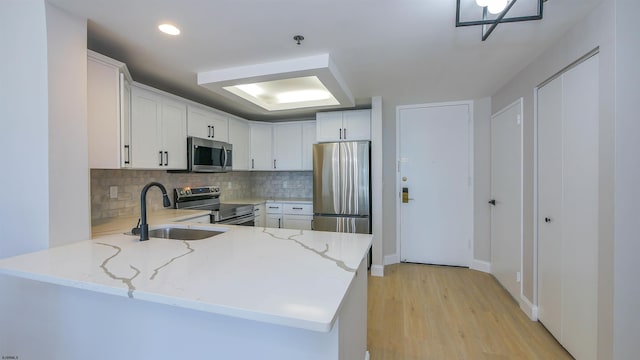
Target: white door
x=435, y=163
x=506, y=197
x=568, y=195
x=549, y=205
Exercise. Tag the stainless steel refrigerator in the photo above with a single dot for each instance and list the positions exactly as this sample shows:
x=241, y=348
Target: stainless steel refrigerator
x=341, y=187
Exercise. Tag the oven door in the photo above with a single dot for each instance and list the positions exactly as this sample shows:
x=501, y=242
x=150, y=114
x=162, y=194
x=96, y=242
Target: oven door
x=244, y=220
x=209, y=155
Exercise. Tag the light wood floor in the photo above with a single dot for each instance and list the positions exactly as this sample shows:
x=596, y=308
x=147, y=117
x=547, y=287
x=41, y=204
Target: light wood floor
x=436, y=312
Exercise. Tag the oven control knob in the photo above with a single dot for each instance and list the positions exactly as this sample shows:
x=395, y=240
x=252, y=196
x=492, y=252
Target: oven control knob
x=188, y=192
x=181, y=192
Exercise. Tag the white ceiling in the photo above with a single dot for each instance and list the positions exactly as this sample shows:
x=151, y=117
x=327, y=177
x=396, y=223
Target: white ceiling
x=407, y=50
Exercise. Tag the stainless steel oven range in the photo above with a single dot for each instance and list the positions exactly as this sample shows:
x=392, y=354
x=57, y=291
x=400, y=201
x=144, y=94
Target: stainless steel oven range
x=208, y=198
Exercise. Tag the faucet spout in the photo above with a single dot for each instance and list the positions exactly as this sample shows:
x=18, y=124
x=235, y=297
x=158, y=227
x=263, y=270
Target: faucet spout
x=144, y=226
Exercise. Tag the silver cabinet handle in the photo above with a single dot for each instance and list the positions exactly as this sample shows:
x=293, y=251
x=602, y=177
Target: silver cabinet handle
x=161, y=158
x=279, y=219
x=297, y=208
x=340, y=133
x=253, y=164
x=166, y=160
x=274, y=163
x=344, y=132
x=213, y=131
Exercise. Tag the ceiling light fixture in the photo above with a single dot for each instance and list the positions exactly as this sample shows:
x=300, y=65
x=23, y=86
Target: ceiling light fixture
x=169, y=29
x=490, y=13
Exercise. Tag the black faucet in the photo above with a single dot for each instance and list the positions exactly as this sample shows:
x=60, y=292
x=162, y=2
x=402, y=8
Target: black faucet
x=144, y=227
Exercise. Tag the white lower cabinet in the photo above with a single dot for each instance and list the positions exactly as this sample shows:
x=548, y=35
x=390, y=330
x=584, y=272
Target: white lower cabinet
x=294, y=215
x=274, y=215
x=259, y=213
x=297, y=215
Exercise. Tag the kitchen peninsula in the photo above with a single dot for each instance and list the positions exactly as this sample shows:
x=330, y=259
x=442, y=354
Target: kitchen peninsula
x=247, y=293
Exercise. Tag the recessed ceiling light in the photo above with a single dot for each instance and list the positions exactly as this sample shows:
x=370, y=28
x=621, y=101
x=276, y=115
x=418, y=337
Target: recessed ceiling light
x=291, y=84
x=169, y=29
x=284, y=94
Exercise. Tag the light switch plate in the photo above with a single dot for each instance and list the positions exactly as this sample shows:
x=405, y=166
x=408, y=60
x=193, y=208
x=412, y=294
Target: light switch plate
x=113, y=192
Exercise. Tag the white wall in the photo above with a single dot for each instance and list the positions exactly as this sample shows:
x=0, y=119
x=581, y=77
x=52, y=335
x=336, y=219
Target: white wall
x=24, y=219
x=597, y=29
x=69, y=202
x=482, y=179
x=627, y=183
x=43, y=94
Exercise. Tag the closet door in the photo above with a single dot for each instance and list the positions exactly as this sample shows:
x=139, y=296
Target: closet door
x=568, y=208
x=550, y=206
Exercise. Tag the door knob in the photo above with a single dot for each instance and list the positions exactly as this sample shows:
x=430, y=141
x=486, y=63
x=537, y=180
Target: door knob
x=492, y=202
x=547, y=220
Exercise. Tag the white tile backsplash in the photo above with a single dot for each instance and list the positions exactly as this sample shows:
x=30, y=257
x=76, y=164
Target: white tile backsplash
x=234, y=185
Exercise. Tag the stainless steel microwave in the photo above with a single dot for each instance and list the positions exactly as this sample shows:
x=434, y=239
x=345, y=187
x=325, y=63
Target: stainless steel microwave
x=205, y=155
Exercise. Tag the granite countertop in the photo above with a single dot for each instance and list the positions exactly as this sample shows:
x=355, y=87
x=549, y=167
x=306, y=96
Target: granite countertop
x=293, y=278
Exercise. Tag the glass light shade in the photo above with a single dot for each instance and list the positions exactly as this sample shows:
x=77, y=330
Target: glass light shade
x=496, y=6
x=482, y=3
x=169, y=29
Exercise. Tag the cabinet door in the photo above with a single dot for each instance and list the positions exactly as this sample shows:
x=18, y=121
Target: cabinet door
x=274, y=221
x=261, y=147
x=125, y=122
x=198, y=122
x=240, y=138
x=107, y=106
x=308, y=139
x=356, y=125
x=301, y=222
x=146, y=131
x=329, y=126
x=287, y=147
x=259, y=212
x=207, y=124
x=174, y=134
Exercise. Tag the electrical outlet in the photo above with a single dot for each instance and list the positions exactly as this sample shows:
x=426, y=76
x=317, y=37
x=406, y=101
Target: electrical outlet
x=113, y=192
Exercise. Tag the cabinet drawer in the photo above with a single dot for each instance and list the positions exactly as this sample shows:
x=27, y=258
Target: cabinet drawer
x=300, y=222
x=274, y=208
x=302, y=209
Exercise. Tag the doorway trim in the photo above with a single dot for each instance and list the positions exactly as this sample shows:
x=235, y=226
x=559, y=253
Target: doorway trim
x=398, y=188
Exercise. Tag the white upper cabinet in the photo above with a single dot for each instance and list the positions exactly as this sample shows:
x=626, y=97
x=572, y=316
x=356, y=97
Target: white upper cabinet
x=207, y=124
x=158, y=131
x=240, y=138
x=350, y=125
x=261, y=146
x=282, y=146
x=308, y=139
x=287, y=146
x=108, y=112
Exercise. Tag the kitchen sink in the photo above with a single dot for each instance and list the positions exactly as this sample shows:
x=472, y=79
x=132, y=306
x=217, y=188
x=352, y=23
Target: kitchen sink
x=177, y=233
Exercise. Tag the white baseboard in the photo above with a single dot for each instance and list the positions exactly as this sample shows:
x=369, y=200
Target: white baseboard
x=480, y=265
x=391, y=259
x=366, y=355
x=377, y=270
x=528, y=308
